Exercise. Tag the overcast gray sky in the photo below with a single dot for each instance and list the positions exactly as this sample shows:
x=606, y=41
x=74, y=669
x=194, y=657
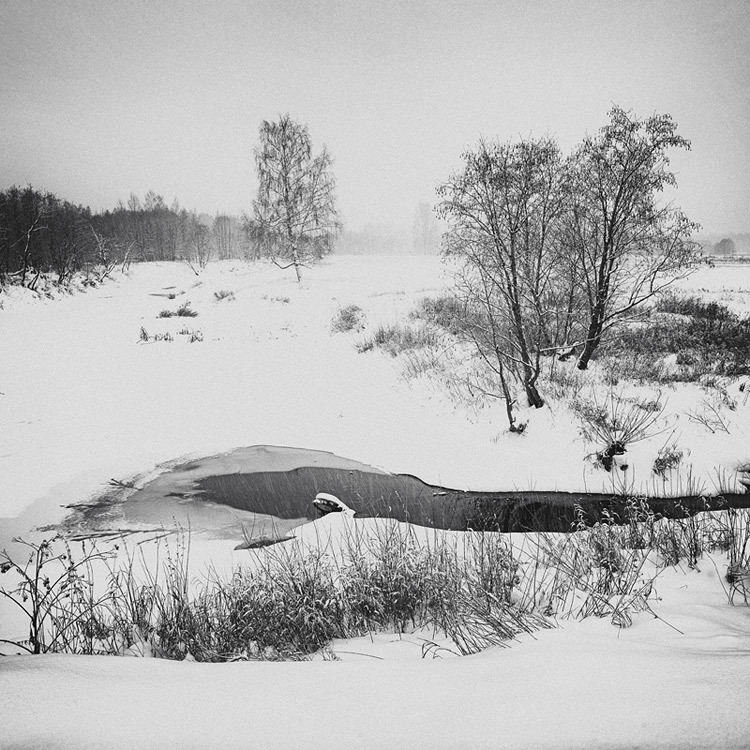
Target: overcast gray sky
x=101, y=99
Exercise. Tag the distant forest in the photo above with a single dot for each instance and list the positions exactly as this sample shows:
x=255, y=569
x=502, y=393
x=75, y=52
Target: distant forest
x=732, y=244
x=41, y=233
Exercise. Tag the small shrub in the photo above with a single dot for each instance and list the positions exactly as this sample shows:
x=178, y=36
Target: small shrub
x=641, y=522
x=653, y=405
x=711, y=385
x=349, y=318
x=709, y=415
x=185, y=311
x=681, y=538
x=594, y=416
x=193, y=335
x=447, y=312
x=616, y=422
x=591, y=572
x=146, y=337
x=635, y=366
x=693, y=307
x=687, y=358
x=668, y=458
x=396, y=339
x=224, y=294
x=53, y=590
x=703, y=337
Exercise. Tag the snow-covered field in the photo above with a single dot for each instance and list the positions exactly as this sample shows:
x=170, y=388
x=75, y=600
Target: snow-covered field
x=83, y=399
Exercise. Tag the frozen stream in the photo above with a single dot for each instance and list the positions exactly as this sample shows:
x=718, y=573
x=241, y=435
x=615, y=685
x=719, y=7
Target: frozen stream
x=259, y=493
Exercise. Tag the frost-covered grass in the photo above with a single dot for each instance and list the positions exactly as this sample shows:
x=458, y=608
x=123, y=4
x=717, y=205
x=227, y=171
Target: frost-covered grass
x=288, y=602
x=348, y=318
x=351, y=578
x=398, y=339
x=685, y=339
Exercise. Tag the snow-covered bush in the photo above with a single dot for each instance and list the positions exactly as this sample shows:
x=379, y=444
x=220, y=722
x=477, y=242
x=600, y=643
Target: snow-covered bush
x=183, y=311
x=145, y=337
x=447, y=311
x=54, y=589
x=193, y=335
x=615, y=422
x=349, y=318
x=668, y=458
x=696, y=336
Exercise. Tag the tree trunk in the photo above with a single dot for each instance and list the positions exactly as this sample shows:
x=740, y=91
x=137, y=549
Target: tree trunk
x=296, y=262
x=532, y=395
x=25, y=258
x=593, y=337
x=508, y=400
x=529, y=373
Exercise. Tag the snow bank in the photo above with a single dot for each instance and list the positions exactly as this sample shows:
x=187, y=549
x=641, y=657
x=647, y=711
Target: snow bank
x=584, y=685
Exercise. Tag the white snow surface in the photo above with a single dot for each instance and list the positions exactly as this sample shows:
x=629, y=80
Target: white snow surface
x=83, y=400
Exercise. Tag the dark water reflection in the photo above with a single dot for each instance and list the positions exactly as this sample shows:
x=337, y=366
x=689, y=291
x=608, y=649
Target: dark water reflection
x=407, y=498
x=262, y=492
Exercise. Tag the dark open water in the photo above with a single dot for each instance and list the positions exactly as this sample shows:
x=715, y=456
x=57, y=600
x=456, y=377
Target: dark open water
x=270, y=489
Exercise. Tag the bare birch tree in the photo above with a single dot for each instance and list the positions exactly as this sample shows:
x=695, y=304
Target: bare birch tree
x=626, y=247
x=504, y=209
x=295, y=211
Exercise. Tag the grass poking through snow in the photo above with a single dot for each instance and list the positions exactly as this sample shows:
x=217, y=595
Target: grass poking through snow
x=293, y=599
x=396, y=339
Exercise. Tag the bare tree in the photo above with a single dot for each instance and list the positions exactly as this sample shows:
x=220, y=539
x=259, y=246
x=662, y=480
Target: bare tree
x=70, y=244
x=224, y=233
x=105, y=254
x=36, y=209
x=199, y=247
x=295, y=211
x=625, y=245
x=504, y=209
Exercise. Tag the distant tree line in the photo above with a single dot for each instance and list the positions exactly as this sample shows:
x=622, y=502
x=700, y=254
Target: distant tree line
x=155, y=231
x=736, y=244
x=41, y=233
